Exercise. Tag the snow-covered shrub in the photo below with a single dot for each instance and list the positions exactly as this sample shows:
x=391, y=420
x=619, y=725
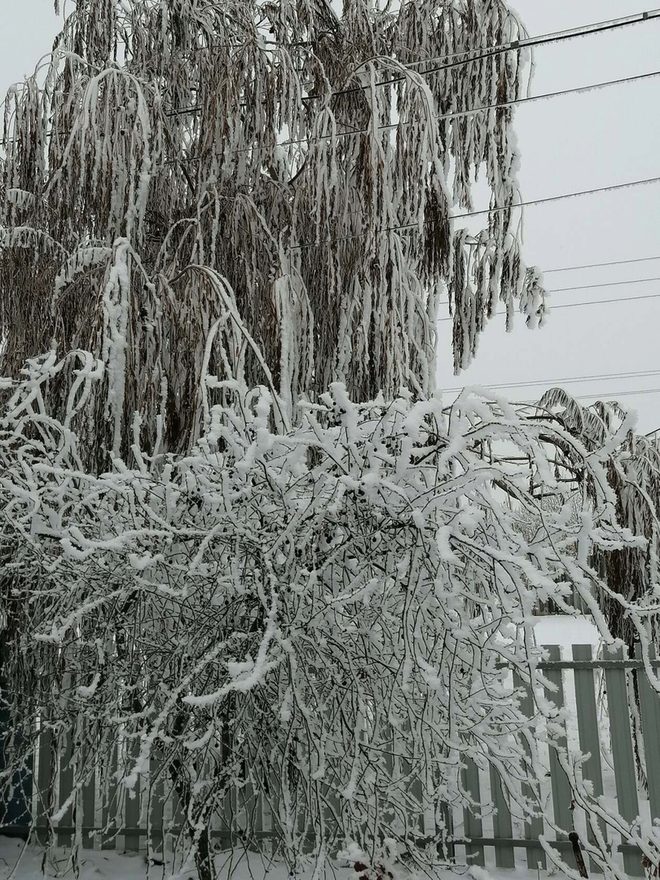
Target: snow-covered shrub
x=328, y=613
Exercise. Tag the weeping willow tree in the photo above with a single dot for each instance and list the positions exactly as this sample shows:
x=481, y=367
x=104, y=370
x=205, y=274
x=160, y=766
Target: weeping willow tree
x=276, y=175
x=633, y=472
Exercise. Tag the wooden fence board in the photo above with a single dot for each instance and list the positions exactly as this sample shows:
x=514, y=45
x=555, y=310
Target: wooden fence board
x=110, y=803
x=65, y=785
x=44, y=788
x=534, y=828
x=649, y=705
x=502, y=828
x=472, y=822
x=132, y=800
x=625, y=775
x=152, y=820
x=587, y=718
x=89, y=811
x=156, y=808
x=562, y=793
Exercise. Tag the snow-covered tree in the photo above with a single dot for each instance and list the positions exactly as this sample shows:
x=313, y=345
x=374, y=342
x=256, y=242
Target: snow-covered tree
x=241, y=536
x=283, y=172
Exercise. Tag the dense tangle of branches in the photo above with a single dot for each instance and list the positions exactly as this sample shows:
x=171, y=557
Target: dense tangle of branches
x=329, y=614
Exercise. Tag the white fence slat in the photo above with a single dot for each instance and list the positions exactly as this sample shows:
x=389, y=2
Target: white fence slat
x=109, y=803
x=64, y=787
x=132, y=809
x=44, y=786
x=88, y=806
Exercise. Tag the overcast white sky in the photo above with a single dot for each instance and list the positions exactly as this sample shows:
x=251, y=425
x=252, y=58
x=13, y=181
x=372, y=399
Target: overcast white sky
x=567, y=144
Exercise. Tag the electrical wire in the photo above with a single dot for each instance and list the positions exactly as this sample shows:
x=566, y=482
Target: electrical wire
x=601, y=265
x=448, y=62
x=591, y=302
x=569, y=380
x=609, y=395
x=622, y=21
x=516, y=45
x=593, y=287
x=496, y=210
x=603, y=284
x=456, y=114
x=614, y=395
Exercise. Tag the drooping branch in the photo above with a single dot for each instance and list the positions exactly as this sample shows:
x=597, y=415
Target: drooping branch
x=312, y=161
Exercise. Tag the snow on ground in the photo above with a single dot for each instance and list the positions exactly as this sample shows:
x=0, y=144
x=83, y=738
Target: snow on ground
x=18, y=862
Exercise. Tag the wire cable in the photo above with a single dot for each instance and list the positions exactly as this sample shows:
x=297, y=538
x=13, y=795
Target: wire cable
x=456, y=114
x=593, y=287
x=603, y=284
x=496, y=210
x=610, y=395
x=601, y=265
x=614, y=395
x=516, y=45
x=591, y=302
x=570, y=380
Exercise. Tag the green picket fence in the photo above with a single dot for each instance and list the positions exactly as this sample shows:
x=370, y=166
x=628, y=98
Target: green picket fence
x=596, y=695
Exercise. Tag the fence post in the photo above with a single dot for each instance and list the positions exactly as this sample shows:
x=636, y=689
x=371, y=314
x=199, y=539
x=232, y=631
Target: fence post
x=625, y=773
x=587, y=717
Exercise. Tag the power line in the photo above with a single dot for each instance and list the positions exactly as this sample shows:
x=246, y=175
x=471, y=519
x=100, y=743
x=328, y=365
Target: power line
x=614, y=395
x=516, y=45
x=496, y=210
x=601, y=265
x=603, y=284
x=513, y=45
x=550, y=383
x=544, y=201
x=596, y=286
x=591, y=302
x=610, y=395
x=598, y=302
x=617, y=22
x=456, y=114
